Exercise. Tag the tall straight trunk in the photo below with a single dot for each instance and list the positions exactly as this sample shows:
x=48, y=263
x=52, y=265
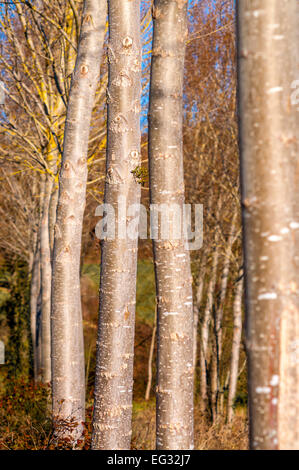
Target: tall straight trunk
x=224, y=280
x=38, y=313
x=42, y=312
x=294, y=338
x=267, y=66
x=46, y=271
x=205, y=328
x=196, y=310
x=66, y=326
x=198, y=303
x=52, y=216
x=38, y=339
x=150, y=359
x=195, y=331
x=213, y=372
x=172, y=260
x=223, y=388
x=34, y=232
x=234, y=362
x=218, y=317
x=115, y=346
x=34, y=294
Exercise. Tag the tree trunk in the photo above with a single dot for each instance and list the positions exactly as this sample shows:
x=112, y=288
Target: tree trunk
x=38, y=350
x=205, y=327
x=172, y=261
x=45, y=264
x=115, y=346
x=196, y=311
x=234, y=363
x=66, y=326
x=52, y=217
x=213, y=377
x=34, y=294
x=224, y=280
x=223, y=389
x=150, y=359
x=267, y=66
x=218, y=316
x=195, y=331
x=38, y=317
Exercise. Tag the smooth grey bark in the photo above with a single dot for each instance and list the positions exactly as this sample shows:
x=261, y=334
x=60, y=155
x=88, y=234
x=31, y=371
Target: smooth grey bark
x=267, y=66
x=68, y=384
x=115, y=345
x=218, y=317
x=223, y=288
x=174, y=428
x=196, y=310
x=205, y=328
x=46, y=271
x=294, y=337
x=234, y=362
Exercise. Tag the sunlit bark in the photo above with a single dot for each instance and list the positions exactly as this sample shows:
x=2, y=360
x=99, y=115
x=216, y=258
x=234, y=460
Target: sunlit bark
x=172, y=262
x=115, y=346
x=68, y=384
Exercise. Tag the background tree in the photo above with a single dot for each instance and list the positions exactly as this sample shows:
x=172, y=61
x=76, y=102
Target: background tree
x=38, y=56
x=235, y=349
x=33, y=118
x=31, y=148
x=211, y=178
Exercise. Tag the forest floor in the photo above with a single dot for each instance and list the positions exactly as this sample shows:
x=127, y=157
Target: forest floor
x=25, y=423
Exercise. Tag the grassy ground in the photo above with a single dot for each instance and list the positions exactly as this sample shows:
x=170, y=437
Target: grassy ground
x=25, y=423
